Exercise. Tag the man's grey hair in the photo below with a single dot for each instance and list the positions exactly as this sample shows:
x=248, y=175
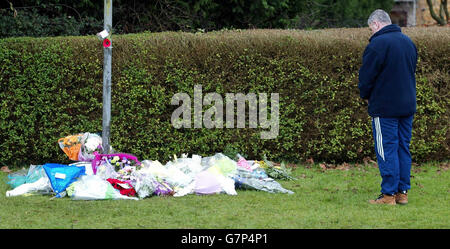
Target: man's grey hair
x=380, y=16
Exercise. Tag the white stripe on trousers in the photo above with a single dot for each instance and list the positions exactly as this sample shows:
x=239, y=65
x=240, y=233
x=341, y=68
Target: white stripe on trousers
x=379, y=137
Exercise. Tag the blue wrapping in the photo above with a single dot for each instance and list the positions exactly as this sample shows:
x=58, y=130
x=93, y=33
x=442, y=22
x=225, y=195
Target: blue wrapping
x=61, y=176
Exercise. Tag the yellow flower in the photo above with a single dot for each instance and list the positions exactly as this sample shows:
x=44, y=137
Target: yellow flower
x=262, y=164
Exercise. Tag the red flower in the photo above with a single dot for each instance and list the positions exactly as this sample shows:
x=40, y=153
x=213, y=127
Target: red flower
x=106, y=43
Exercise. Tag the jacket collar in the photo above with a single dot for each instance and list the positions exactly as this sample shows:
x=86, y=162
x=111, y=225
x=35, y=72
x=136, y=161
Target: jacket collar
x=387, y=29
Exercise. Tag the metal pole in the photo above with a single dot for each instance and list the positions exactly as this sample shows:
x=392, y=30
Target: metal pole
x=107, y=54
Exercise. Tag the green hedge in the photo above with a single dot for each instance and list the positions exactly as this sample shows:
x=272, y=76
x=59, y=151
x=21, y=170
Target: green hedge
x=52, y=87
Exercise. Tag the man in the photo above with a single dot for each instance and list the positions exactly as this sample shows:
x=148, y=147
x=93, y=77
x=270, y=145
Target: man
x=387, y=81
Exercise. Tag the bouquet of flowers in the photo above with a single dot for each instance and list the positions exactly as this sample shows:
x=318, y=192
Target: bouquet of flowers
x=118, y=166
x=90, y=143
x=276, y=172
x=124, y=167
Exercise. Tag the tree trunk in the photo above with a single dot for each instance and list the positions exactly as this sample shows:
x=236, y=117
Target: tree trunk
x=444, y=6
x=441, y=21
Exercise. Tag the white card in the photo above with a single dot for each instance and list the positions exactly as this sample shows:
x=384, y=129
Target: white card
x=60, y=175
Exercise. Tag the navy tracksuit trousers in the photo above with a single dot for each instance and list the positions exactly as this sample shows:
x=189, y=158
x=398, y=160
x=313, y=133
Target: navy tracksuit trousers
x=392, y=138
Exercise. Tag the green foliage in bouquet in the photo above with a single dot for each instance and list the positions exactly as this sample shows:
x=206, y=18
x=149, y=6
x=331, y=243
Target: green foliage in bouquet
x=277, y=172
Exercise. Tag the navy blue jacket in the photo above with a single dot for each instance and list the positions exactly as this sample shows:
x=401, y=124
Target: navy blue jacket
x=387, y=75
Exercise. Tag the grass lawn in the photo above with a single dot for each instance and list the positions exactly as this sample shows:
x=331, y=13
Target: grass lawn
x=322, y=199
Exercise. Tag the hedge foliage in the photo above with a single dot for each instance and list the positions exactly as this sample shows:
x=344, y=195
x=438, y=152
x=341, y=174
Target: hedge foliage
x=52, y=87
x=39, y=18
